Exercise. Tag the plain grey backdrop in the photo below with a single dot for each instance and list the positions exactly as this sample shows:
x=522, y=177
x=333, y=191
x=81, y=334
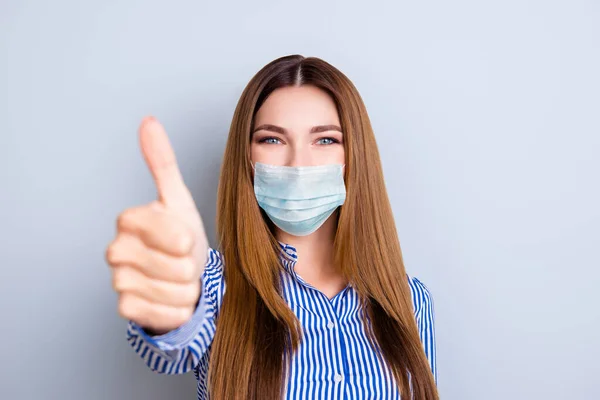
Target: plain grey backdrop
x=487, y=116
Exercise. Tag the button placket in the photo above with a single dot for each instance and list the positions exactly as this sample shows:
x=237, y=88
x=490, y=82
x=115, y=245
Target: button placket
x=331, y=322
x=337, y=378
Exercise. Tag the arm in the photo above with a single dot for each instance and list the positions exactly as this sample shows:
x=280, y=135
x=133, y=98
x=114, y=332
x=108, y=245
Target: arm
x=180, y=350
x=424, y=313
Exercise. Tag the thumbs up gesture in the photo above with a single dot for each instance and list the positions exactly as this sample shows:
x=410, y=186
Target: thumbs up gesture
x=160, y=249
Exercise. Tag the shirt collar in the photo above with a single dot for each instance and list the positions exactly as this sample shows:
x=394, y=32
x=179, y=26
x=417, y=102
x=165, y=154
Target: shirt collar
x=288, y=257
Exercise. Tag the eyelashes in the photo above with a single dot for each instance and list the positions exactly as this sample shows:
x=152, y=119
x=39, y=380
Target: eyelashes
x=268, y=140
x=275, y=140
x=330, y=139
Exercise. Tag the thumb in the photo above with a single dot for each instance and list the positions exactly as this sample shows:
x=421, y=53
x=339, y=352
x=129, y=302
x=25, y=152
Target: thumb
x=161, y=161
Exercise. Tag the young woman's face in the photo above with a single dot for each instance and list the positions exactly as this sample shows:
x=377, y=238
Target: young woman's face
x=297, y=126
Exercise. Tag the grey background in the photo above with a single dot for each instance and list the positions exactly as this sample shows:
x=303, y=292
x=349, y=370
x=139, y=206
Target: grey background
x=486, y=115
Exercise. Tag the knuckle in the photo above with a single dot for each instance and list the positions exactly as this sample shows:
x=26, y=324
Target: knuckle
x=187, y=269
x=126, y=279
x=191, y=293
x=116, y=252
x=124, y=250
x=153, y=316
x=125, y=308
x=183, y=314
x=183, y=240
x=123, y=219
x=127, y=218
x=110, y=254
x=155, y=291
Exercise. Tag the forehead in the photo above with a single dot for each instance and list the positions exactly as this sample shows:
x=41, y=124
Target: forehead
x=298, y=105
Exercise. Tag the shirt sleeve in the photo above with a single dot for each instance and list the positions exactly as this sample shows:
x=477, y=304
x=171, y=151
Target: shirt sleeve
x=180, y=350
x=424, y=313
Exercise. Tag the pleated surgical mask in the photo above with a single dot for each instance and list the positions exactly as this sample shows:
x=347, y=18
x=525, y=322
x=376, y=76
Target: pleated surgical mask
x=299, y=199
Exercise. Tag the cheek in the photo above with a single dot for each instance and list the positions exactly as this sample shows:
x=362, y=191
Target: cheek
x=273, y=155
x=333, y=155
x=253, y=153
x=257, y=154
x=341, y=156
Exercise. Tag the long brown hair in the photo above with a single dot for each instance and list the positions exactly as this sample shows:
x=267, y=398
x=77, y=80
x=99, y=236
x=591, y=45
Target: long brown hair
x=257, y=332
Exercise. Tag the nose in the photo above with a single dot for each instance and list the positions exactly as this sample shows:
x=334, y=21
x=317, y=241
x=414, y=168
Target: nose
x=299, y=156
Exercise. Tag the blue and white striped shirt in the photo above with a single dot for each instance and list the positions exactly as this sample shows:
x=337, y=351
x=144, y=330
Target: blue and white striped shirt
x=335, y=359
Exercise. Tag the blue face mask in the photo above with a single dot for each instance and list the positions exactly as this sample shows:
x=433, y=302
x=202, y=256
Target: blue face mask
x=299, y=199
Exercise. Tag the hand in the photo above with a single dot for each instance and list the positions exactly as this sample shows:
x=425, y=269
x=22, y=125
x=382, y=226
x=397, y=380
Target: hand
x=160, y=249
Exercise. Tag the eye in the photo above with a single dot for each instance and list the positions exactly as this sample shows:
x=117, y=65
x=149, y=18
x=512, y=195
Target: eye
x=327, y=141
x=269, y=140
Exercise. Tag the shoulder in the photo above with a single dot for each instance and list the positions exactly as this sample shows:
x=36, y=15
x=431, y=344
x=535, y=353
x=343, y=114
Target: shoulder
x=420, y=294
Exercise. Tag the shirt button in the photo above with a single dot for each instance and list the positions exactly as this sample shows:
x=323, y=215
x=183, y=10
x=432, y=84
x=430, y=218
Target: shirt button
x=330, y=325
x=337, y=378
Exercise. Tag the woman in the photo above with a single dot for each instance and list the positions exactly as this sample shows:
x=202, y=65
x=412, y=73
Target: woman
x=307, y=296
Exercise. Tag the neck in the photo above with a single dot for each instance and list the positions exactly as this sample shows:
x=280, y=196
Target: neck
x=315, y=256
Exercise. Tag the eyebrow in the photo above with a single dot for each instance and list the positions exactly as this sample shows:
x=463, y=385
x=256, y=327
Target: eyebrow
x=314, y=129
